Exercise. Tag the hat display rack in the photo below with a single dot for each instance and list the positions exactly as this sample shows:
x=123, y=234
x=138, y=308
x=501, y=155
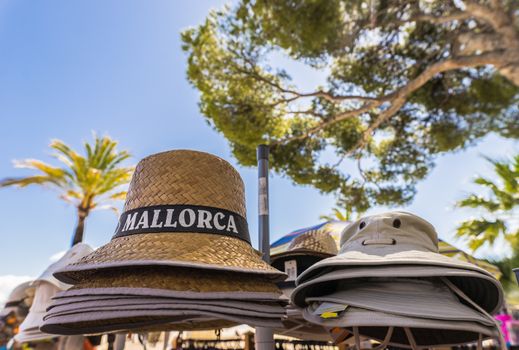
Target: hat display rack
x=181, y=259
x=264, y=338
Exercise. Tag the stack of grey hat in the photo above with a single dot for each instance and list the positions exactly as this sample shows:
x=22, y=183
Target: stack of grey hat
x=389, y=283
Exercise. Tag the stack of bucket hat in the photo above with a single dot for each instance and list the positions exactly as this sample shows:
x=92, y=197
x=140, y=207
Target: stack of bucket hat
x=45, y=287
x=304, y=251
x=390, y=284
x=180, y=258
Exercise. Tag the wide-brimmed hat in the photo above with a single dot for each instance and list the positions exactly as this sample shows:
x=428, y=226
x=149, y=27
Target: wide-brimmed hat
x=30, y=327
x=45, y=287
x=388, y=308
x=183, y=208
x=397, y=243
x=16, y=301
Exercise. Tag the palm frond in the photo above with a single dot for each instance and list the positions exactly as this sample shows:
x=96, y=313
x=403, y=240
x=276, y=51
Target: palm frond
x=118, y=195
x=49, y=170
x=480, y=231
x=475, y=201
x=82, y=178
x=28, y=180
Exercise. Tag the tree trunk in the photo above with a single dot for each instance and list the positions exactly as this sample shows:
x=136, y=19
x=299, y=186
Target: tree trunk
x=80, y=227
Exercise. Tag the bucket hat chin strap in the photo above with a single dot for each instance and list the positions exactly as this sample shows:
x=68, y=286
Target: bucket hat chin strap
x=382, y=345
x=409, y=334
x=463, y=296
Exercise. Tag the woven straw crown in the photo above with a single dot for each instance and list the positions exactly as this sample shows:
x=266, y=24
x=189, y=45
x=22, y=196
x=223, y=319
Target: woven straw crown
x=314, y=241
x=173, y=178
x=186, y=177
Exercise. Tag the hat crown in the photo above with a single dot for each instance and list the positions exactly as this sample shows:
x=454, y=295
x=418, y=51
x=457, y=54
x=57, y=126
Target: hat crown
x=317, y=241
x=389, y=233
x=185, y=177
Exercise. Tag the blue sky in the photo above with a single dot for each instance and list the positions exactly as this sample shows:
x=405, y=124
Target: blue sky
x=68, y=68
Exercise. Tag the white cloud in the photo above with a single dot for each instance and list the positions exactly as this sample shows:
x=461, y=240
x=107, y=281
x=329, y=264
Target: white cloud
x=8, y=283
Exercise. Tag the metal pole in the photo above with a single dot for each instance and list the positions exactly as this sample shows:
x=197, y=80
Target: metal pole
x=264, y=338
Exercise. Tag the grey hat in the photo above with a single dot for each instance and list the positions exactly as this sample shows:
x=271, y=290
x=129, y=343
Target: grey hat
x=390, y=283
x=390, y=308
x=119, y=320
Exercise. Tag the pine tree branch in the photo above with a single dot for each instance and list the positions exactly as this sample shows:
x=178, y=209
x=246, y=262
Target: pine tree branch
x=398, y=98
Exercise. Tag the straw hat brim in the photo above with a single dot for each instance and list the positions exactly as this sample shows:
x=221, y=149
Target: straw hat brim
x=427, y=332
x=483, y=289
x=196, y=250
x=191, y=281
x=298, y=253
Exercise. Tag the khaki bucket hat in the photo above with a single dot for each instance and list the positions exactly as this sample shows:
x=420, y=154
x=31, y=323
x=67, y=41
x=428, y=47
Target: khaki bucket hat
x=186, y=209
x=396, y=244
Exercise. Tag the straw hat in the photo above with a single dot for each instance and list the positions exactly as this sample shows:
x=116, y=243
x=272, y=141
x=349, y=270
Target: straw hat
x=185, y=209
x=305, y=250
x=312, y=243
x=397, y=244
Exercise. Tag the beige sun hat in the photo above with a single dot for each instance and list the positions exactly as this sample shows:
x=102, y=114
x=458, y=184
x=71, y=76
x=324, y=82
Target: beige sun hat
x=183, y=208
x=397, y=244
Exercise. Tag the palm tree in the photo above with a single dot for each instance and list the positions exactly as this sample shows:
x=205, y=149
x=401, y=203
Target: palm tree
x=89, y=182
x=498, y=208
x=337, y=214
